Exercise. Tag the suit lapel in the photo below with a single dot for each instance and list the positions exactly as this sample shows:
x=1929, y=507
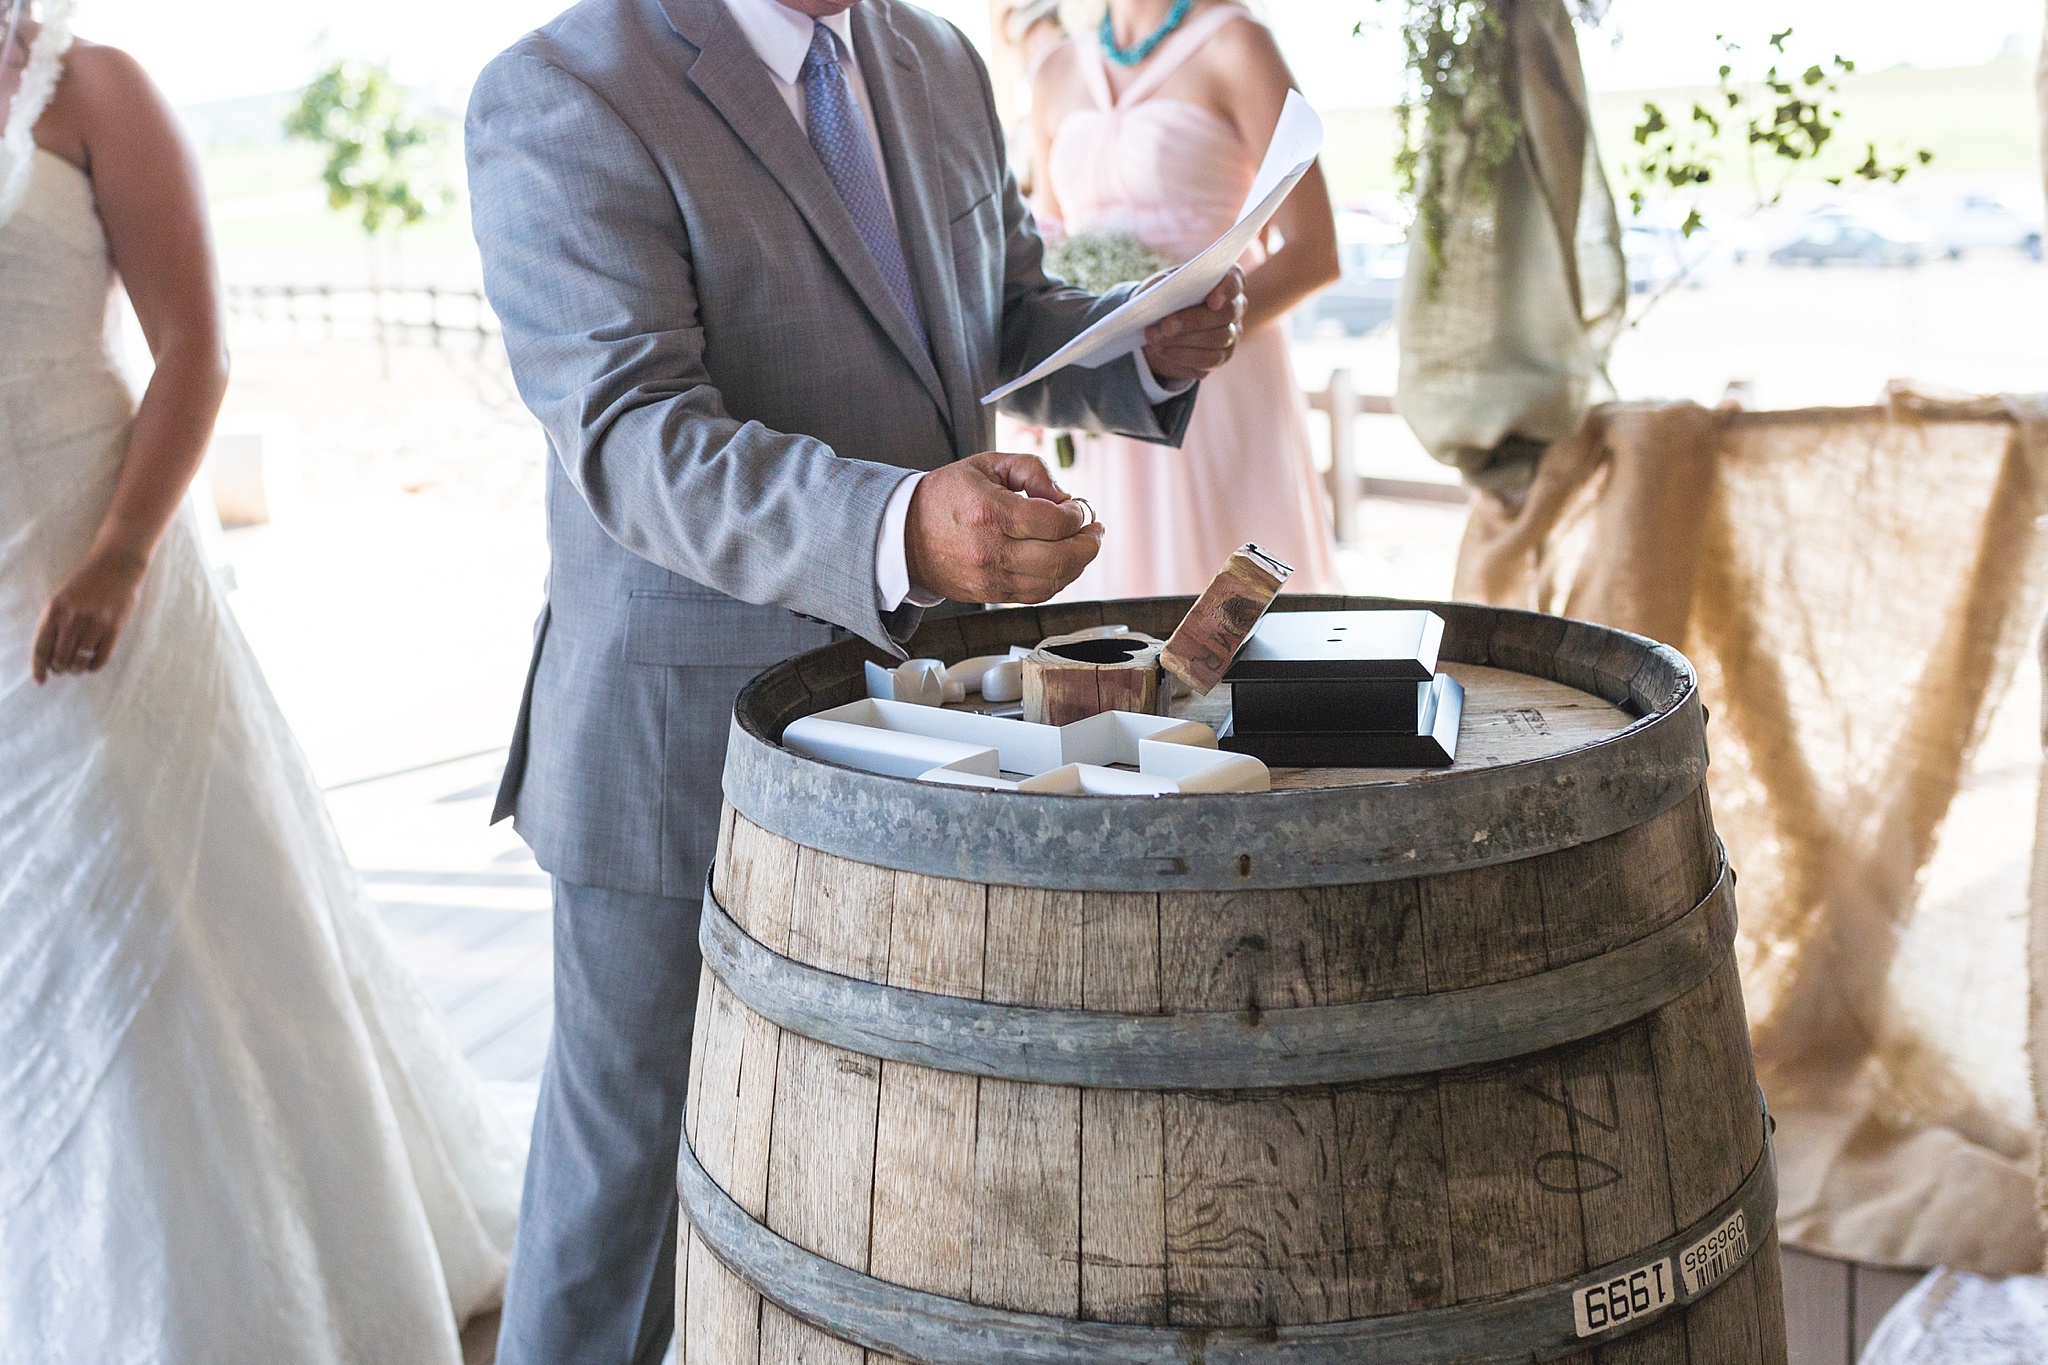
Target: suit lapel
x=728, y=74
x=903, y=116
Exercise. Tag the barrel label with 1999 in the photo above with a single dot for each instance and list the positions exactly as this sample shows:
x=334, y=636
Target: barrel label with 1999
x=1614, y=1304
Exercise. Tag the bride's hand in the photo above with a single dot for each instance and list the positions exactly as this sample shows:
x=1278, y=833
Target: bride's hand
x=81, y=623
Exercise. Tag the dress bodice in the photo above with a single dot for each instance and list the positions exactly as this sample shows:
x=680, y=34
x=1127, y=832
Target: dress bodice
x=1169, y=171
x=55, y=273
x=55, y=268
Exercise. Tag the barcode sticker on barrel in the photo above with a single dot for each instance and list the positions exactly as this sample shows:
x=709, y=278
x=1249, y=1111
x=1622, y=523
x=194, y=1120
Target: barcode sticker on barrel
x=1714, y=1255
x=1620, y=1301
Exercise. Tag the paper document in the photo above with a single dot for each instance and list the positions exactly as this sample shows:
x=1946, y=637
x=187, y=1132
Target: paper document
x=1297, y=139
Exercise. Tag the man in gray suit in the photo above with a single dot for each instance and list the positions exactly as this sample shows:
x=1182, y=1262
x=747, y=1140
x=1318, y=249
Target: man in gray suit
x=756, y=261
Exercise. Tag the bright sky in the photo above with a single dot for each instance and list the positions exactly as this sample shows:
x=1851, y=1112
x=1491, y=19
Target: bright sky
x=229, y=48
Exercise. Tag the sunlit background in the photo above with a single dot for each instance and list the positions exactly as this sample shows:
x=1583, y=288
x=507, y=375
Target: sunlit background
x=1957, y=83
x=237, y=48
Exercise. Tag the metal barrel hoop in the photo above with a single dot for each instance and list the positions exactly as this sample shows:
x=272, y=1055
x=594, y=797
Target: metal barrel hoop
x=1238, y=1050
x=1551, y=1320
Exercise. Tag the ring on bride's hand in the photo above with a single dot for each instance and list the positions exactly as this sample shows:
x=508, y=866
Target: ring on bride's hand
x=88, y=654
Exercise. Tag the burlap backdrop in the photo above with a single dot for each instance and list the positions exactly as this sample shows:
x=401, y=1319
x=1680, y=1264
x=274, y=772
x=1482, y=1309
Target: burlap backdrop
x=1857, y=588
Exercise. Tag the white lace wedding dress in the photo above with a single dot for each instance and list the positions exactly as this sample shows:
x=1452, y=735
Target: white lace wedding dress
x=232, y=1127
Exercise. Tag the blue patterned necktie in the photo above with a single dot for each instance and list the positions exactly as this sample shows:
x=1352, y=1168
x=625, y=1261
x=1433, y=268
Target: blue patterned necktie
x=840, y=137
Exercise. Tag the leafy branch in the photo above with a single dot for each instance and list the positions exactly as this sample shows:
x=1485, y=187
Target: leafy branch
x=381, y=157
x=1789, y=116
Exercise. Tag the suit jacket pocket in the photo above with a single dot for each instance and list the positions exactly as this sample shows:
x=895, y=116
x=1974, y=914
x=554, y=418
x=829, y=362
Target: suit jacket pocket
x=978, y=228
x=674, y=630
x=979, y=255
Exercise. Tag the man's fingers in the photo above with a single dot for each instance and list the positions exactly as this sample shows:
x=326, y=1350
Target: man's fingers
x=1226, y=298
x=1044, y=512
x=1210, y=351
x=1231, y=286
x=1033, y=570
x=1037, y=519
x=1189, y=358
x=1192, y=322
x=1203, y=329
x=1025, y=474
x=1044, y=558
x=997, y=528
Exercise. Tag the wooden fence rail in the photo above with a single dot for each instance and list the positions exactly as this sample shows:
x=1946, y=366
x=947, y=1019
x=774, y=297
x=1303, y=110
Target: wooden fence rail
x=434, y=316
x=1343, y=404
x=430, y=315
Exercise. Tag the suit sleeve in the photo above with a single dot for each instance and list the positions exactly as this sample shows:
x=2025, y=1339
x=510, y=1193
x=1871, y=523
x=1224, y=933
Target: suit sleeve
x=1041, y=314
x=587, y=263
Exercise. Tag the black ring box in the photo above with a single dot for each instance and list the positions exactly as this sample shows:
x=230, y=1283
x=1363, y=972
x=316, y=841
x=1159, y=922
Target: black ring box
x=1344, y=689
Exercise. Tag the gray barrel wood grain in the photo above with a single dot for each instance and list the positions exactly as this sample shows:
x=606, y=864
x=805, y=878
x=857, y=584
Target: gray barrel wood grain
x=1241, y=1050
x=932, y=1329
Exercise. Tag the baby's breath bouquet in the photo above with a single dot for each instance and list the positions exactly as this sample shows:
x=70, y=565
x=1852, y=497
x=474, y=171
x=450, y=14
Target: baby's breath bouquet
x=1100, y=261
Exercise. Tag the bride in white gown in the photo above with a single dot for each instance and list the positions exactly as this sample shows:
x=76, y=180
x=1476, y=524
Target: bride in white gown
x=232, y=1127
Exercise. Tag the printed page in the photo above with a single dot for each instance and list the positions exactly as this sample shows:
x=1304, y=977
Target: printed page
x=1297, y=139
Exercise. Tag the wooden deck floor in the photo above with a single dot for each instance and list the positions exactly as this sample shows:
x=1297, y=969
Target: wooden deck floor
x=469, y=911
x=480, y=943
x=467, y=907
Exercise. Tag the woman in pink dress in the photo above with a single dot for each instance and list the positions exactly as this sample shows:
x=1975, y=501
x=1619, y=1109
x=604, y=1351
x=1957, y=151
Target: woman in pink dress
x=1155, y=127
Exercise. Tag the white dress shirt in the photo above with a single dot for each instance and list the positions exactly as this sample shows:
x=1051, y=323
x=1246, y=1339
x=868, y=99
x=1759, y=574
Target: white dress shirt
x=781, y=38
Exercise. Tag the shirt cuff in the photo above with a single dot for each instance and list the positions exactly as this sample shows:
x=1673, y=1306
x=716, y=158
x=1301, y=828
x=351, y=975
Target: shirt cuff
x=1156, y=392
x=892, y=560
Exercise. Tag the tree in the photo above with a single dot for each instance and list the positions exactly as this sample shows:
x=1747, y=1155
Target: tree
x=381, y=157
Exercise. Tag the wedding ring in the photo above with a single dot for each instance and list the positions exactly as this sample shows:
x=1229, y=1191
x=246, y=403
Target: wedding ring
x=88, y=654
x=1088, y=510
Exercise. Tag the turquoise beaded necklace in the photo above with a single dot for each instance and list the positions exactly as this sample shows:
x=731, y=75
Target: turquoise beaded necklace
x=1140, y=50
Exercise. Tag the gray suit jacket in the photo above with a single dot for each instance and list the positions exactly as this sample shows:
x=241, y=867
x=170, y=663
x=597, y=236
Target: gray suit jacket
x=728, y=388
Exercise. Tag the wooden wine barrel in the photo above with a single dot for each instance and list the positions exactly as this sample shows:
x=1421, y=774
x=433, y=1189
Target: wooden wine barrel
x=1376, y=1067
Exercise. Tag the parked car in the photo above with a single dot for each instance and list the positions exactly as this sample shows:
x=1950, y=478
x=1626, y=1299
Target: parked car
x=1840, y=236
x=1659, y=257
x=1373, y=253
x=1983, y=222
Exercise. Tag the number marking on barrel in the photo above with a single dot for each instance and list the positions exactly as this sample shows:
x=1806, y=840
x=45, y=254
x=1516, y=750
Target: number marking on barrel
x=1707, y=1261
x=1576, y=1113
x=1564, y=1172
x=1615, y=1303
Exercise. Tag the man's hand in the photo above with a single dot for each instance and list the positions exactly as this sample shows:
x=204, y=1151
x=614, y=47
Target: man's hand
x=971, y=537
x=1194, y=341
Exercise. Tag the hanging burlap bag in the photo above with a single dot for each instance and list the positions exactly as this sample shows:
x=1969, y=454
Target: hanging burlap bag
x=1501, y=352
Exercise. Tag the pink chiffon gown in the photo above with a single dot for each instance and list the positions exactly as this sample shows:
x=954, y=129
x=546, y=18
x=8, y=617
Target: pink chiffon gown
x=1174, y=174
